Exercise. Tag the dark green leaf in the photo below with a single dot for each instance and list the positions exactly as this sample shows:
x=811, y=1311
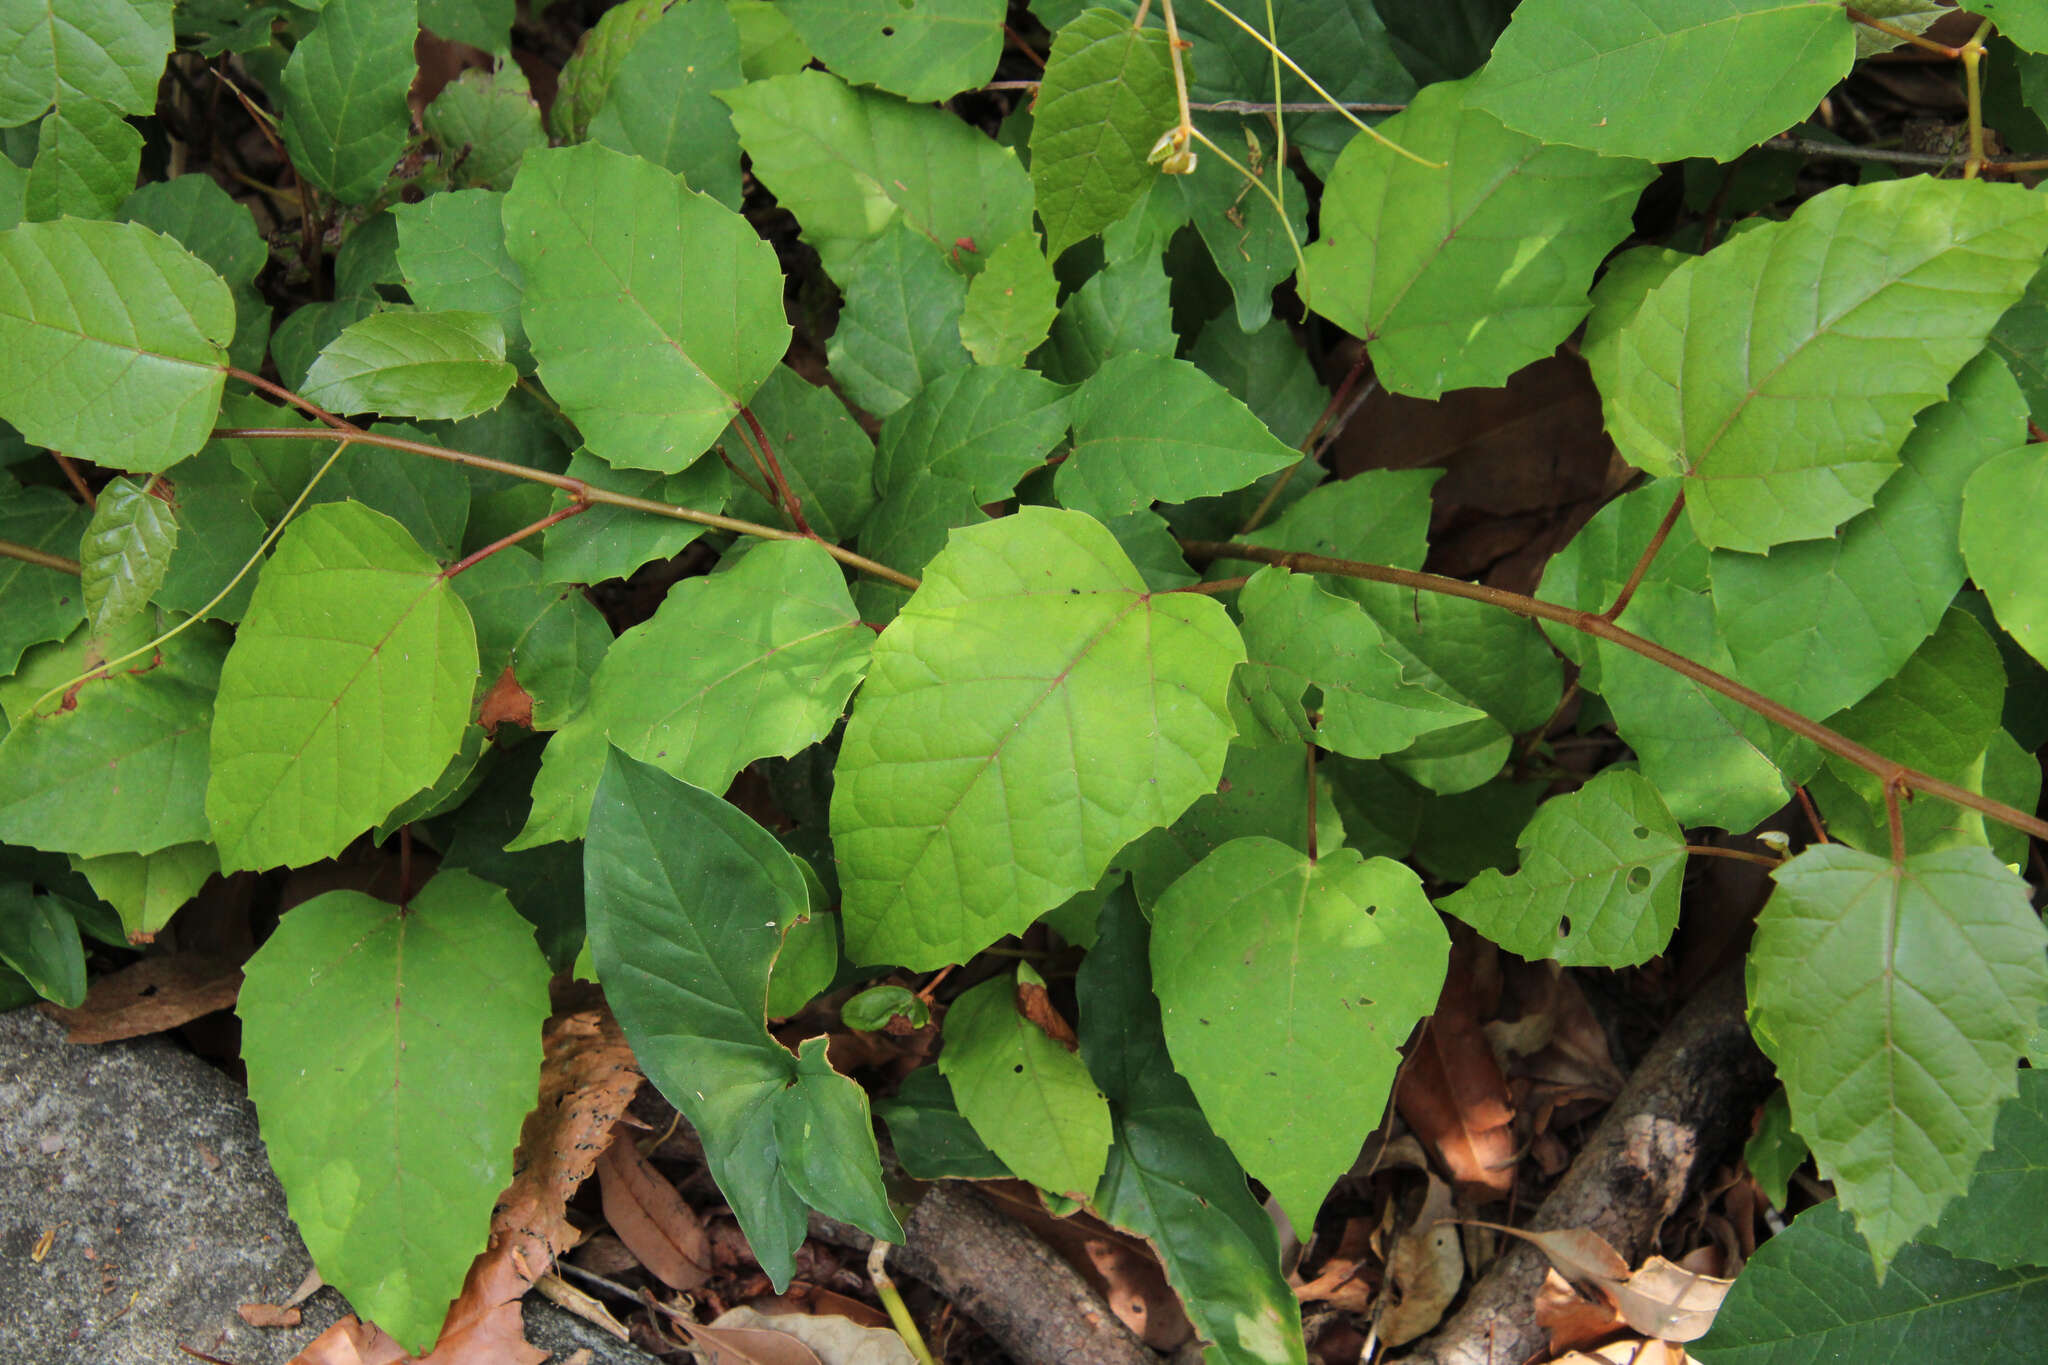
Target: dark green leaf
x=345, y=119
x=900, y=327
x=1105, y=98
x=661, y=104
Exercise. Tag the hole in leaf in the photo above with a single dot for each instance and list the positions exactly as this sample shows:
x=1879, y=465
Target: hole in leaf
x=1564, y=926
x=1018, y=1069
x=1639, y=879
x=888, y=32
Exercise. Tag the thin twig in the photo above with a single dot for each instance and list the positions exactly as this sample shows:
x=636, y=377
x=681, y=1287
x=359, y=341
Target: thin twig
x=75, y=479
x=1635, y=578
x=469, y=561
x=790, y=502
x=29, y=554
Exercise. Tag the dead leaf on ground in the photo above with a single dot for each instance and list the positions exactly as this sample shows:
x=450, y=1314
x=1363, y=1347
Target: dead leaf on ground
x=1140, y=1295
x=1669, y=1302
x=1342, y=1283
x=506, y=701
x=150, y=996
x=1583, y=1255
x=743, y=1346
x=268, y=1315
x=1452, y=1093
x=1633, y=1352
x=1571, y=1318
x=569, y=1298
x=1424, y=1271
x=649, y=1216
x=1035, y=1004
x=804, y=1297
x=826, y=1339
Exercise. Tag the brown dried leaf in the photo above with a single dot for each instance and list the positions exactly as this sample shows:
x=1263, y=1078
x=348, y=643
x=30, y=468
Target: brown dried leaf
x=1341, y=1283
x=268, y=1315
x=568, y=1297
x=506, y=701
x=1036, y=1005
x=1583, y=1255
x=829, y=1340
x=1669, y=1302
x=150, y=996
x=1165, y=1325
x=650, y=1217
x=816, y=1300
x=1569, y=1316
x=1452, y=1093
x=1424, y=1271
x=744, y=1345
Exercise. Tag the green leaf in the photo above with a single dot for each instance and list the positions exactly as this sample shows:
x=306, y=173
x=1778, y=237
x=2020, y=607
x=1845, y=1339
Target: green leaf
x=1810, y=1294
x=1938, y=711
x=1453, y=838
x=126, y=550
x=769, y=45
x=1028, y=1097
x=345, y=119
x=2019, y=21
x=1263, y=792
x=828, y=461
x=1774, y=1152
x=1460, y=274
x=549, y=635
x=220, y=232
x=411, y=364
x=346, y=692
x=688, y=901
x=1105, y=98
x=834, y=1166
x=87, y=156
x=485, y=122
x=1665, y=79
x=1148, y=428
x=1786, y=418
x=1170, y=1179
x=123, y=770
x=849, y=162
x=112, y=342
x=392, y=1054
x=1297, y=637
x=875, y=1007
x=2000, y=1218
x=588, y=76
x=148, y=888
x=451, y=248
x=39, y=939
x=908, y=526
x=900, y=326
x=1817, y=624
x=983, y=426
x=60, y=51
x=2021, y=340
x=611, y=542
x=480, y=23
x=1599, y=881
x=1895, y=1001
x=923, y=50
x=545, y=884
x=654, y=312
x=1122, y=310
x=1010, y=304
x=2003, y=546
x=958, y=813
x=809, y=959
x=1286, y=987
x=661, y=104
x=37, y=603
x=1252, y=248
x=931, y=1140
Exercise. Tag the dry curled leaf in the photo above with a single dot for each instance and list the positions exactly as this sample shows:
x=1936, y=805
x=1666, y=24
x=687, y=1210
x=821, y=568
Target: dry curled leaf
x=1669, y=1302
x=150, y=996
x=829, y=1340
x=1452, y=1093
x=650, y=1217
x=1424, y=1270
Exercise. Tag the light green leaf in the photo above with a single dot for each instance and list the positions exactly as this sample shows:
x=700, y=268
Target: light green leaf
x=1810, y=1294
x=37, y=603
x=112, y=342
x=1286, y=987
x=1817, y=624
x=1665, y=79
x=983, y=426
x=346, y=691
x=148, y=888
x=392, y=1054
x=827, y=460
x=39, y=941
x=2026, y=25
x=1895, y=1001
x=2004, y=547
x=413, y=364
x=958, y=813
x=809, y=959
x=2000, y=1219
x=485, y=122
x=923, y=50
x=908, y=526
x=654, y=312
x=1148, y=429
x=480, y=23
x=1122, y=310
x=451, y=248
x=1010, y=304
x=588, y=75
x=1599, y=881
x=1170, y=1179
x=86, y=160
x=1938, y=711
x=611, y=542
x=1298, y=637
x=1774, y=1152
x=60, y=51
x=873, y=1008
x=1029, y=1098
x=848, y=162
x=124, y=769
x=1105, y=98
x=661, y=105
x=821, y=1121
x=220, y=232
x=1458, y=275
x=769, y=45
x=1785, y=418
x=126, y=550
x=345, y=119
x=900, y=326
x=1252, y=248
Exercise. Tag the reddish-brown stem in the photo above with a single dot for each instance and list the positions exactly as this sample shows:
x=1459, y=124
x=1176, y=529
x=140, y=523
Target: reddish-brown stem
x=933, y=984
x=1820, y=828
x=1016, y=41
x=76, y=479
x=1215, y=587
x=2034, y=433
x=1308, y=447
x=790, y=502
x=404, y=867
x=1895, y=792
x=1635, y=577
x=29, y=554
x=761, y=490
x=1887, y=770
x=476, y=557
x=311, y=409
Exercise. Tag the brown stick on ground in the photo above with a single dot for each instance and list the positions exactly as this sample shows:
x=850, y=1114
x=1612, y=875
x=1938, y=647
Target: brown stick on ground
x=1685, y=1108
x=995, y=1272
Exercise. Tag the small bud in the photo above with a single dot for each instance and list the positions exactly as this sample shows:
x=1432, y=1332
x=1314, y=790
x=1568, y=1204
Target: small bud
x=1181, y=162
x=1164, y=147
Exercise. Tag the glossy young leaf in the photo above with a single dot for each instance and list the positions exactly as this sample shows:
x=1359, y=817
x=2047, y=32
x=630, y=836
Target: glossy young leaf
x=126, y=550
x=345, y=119
x=2003, y=545
x=660, y=105
x=654, y=311
x=1010, y=304
x=1149, y=429
x=433, y=365
x=1287, y=986
x=1028, y=1097
x=1170, y=1179
x=60, y=51
x=148, y=888
x=957, y=813
x=1664, y=79
x=113, y=342
x=1106, y=97
x=848, y=162
x=451, y=248
x=2000, y=1219
x=899, y=328
x=924, y=50
x=392, y=1054
x=984, y=426
x=1895, y=1001
x=1785, y=418
x=1599, y=880
x=346, y=691
x=1460, y=274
